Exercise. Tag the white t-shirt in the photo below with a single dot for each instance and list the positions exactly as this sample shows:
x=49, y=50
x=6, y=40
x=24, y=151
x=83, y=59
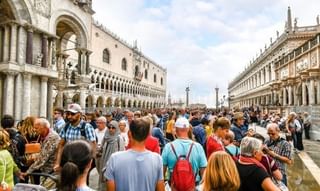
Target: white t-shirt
x=100, y=135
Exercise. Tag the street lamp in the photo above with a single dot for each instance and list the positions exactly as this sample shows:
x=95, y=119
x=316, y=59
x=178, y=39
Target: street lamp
x=187, y=96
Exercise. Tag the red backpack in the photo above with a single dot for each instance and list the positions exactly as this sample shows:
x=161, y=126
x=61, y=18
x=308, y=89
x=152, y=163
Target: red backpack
x=182, y=177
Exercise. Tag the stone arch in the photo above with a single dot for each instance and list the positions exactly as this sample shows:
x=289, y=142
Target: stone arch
x=109, y=102
x=117, y=102
x=74, y=22
x=139, y=104
x=129, y=104
x=143, y=104
x=89, y=101
x=134, y=104
x=76, y=98
x=18, y=10
x=100, y=101
x=107, y=84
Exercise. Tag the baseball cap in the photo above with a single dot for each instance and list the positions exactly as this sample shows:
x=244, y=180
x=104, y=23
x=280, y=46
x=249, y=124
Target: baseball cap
x=182, y=123
x=74, y=108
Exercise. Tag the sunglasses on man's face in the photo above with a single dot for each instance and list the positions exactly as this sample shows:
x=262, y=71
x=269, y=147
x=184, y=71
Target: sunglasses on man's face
x=69, y=113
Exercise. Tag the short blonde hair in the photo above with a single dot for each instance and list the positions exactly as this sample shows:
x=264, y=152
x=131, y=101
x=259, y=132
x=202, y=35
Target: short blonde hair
x=4, y=139
x=221, y=173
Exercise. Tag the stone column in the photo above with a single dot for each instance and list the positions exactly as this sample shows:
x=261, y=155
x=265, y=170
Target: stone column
x=44, y=51
x=53, y=61
x=1, y=42
x=22, y=36
x=304, y=96
x=83, y=97
x=59, y=98
x=295, y=97
x=318, y=91
x=43, y=96
x=262, y=77
x=311, y=92
x=18, y=98
x=6, y=43
x=8, y=93
x=290, y=94
x=50, y=100
x=13, y=43
x=26, y=95
x=29, y=54
x=88, y=62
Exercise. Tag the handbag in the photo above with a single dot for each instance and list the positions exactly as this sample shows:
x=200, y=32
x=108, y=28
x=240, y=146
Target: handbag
x=33, y=147
x=4, y=186
x=32, y=151
x=278, y=183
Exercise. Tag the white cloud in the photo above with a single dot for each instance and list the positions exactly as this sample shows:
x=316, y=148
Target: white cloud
x=202, y=43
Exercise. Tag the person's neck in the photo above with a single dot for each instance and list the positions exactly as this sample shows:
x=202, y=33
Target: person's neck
x=82, y=181
x=138, y=146
x=183, y=137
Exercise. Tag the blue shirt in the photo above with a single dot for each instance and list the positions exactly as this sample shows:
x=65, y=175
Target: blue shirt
x=74, y=133
x=58, y=125
x=197, y=157
x=132, y=171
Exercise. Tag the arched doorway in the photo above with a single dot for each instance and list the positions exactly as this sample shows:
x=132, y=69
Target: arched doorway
x=109, y=102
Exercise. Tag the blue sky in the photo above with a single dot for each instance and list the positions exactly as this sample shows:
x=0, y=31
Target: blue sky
x=202, y=43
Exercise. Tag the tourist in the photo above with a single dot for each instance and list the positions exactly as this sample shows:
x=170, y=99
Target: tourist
x=76, y=159
x=253, y=175
x=221, y=173
x=136, y=168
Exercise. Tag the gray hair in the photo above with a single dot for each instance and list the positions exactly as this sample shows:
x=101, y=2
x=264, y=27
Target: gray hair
x=43, y=122
x=102, y=118
x=248, y=145
x=273, y=126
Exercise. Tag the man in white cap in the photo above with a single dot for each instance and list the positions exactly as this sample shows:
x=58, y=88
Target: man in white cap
x=182, y=146
x=75, y=129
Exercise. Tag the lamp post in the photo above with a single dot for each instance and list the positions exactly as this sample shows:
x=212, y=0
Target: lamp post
x=187, y=96
x=217, y=98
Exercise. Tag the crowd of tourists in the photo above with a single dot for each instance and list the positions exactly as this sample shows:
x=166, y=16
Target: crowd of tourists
x=160, y=149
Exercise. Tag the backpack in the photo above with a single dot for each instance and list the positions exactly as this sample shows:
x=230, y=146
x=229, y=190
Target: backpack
x=182, y=177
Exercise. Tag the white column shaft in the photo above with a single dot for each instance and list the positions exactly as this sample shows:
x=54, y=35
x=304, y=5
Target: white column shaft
x=13, y=44
x=8, y=94
x=6, y=43
x=22, y=45
x=18, y=98
x=311, y=92
x=26, y=95
x=43, y=96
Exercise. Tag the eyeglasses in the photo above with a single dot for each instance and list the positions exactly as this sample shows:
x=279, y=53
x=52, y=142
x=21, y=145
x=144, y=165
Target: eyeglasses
x=271, y=134
x=111, y=127
x=69, y=113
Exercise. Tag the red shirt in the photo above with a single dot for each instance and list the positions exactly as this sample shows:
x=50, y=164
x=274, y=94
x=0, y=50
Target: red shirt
x=151, y=144
x=213, y=144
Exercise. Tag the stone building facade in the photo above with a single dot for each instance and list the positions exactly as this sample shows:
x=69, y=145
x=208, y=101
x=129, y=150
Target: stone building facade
x=53, y=53
x=285, y=77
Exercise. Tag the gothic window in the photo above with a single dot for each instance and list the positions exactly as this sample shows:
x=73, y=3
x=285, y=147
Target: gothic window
x=161, y=81
x=124, y=64
x=146, y=74
x=106, y=56
x=155, y=78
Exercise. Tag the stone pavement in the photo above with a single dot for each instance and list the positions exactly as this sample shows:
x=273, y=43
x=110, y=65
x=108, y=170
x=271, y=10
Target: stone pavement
x=304, y=174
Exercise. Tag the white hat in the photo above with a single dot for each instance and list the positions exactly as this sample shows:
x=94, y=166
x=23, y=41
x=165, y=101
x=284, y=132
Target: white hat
x=74, y=108
x=182, y=123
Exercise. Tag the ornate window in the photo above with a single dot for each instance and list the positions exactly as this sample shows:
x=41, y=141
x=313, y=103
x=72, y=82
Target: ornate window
x=106, y=56
x=155, y=78
x=124, y=64
x=146, y=74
